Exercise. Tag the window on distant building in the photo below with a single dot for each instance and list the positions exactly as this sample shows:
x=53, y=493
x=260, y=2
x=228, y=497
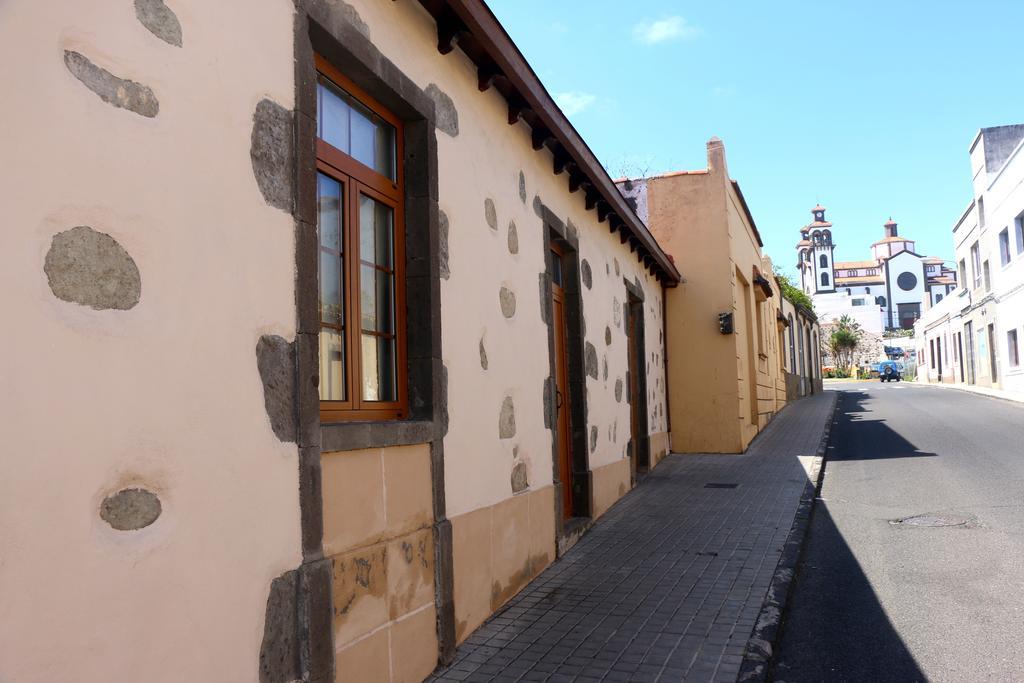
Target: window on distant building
x=938, y=298
x=849, y=290
x=963, y=272
x=1011, y=348
x=824, y=279
x=359, y=181
x=1018, y=228
x=981, y=212
x=880, y=300
x=988, y=276
x=867, y=290
x=823, y=261
x=1004, y=246
x=976, y=264
x=857, y=302
x=931, y=352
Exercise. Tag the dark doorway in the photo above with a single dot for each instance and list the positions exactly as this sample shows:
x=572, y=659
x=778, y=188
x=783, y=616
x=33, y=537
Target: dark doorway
x=969, y=333
x=993, y=354
x=960, y=353
x=908, y=314
x=636, y=386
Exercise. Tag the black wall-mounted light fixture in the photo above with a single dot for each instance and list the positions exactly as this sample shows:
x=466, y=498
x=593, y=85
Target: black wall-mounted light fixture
x=725, y=323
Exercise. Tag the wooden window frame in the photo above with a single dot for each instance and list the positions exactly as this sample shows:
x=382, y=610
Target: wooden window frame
x=358, y=179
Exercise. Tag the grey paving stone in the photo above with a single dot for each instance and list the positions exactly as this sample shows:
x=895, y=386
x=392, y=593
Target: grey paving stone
x=668, y=584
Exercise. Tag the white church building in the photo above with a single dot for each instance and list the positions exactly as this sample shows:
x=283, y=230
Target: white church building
x=887, y=291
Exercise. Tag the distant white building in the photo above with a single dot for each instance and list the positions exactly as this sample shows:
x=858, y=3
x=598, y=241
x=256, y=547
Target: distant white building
x=977, y=337
x=887, y=291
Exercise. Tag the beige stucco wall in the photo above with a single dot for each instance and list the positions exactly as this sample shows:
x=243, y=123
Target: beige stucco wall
x=723, y=388
x=166, y=395
x=477, y=463
x=501, y=540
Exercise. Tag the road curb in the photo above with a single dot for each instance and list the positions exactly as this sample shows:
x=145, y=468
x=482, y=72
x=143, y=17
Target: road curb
x=760, y=646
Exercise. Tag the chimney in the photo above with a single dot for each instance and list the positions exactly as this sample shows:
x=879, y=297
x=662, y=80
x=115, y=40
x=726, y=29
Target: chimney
x=890, y=228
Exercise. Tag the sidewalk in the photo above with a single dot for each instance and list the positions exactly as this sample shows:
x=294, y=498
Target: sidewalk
x=669, y=583
x=1017, y=396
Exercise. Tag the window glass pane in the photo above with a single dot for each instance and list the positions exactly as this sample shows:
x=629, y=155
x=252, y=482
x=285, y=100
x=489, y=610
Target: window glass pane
x=376, y=300
x=329, y=202
x=331, y=306
x=379, y=369
x=343, y=122
x=376, y=225
x=364, y=146
x=332, y=365
x=556, y=268
x=333, y=115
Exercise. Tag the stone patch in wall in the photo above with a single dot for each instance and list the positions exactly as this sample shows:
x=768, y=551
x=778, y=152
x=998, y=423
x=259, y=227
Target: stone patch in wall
x=607, y=336
x=590, y=360
x=616, y=267
x=507, y=299
x=446, y=116
x=616, y=312
x=350, y=16
x=275, y=359
x=279, y=651
x=119, y=92
x=604, y=368
x=130, y=509
x=586, y=274
x=490, y=214
x=519, y=478
x=549, y=391
x=513, y=238
x=522, y=187
x=156, y=16
x=507, y=419
x=593, y=438
x=483, y=354
x=618, y=390
x=271, y=151
x=442, y=244
x=91, y=268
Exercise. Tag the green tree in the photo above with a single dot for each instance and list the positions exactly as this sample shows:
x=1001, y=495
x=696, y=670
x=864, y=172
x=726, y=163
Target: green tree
x=843, y=343
x=792, y=293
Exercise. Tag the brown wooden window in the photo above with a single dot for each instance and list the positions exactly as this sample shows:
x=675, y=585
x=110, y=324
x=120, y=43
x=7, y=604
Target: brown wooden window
x=362, y=256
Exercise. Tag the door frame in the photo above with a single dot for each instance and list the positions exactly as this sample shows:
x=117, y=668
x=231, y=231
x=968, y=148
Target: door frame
x=565, y=240
x=640, y=452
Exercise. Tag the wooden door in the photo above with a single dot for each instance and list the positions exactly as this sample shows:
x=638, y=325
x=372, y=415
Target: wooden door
x=562, y=424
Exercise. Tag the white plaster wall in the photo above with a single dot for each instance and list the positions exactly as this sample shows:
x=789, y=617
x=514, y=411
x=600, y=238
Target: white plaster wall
x=477, y=463
x=1004, y=202
x=166, y=395
x=901, y=263
x=832, y=306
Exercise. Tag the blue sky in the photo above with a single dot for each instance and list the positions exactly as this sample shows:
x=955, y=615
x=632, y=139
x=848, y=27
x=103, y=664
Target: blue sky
x=868, y=107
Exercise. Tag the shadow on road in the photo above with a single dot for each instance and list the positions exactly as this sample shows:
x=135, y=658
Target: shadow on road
x=869, y=439
x=834, y=627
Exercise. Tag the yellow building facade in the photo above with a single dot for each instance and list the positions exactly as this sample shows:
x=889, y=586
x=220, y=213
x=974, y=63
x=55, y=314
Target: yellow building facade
x=726, y=343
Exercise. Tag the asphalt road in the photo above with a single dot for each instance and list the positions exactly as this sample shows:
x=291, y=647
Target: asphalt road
x=875, y=600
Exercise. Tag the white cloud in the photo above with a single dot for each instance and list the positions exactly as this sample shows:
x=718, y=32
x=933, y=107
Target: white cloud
x=669, y=28
x=573, y=102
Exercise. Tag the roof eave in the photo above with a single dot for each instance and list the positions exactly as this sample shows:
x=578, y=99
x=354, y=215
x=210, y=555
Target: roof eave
x=470, y=25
